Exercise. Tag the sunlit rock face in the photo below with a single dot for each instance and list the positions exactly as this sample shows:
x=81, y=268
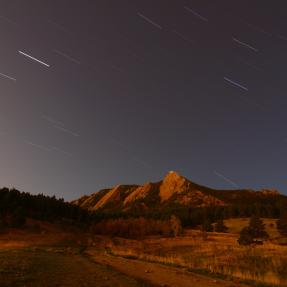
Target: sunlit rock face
x=174, y=188
x=140, y=193
x=173, y=183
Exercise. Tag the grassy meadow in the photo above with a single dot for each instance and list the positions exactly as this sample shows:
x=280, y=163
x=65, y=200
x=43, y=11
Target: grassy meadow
x=49, y=256
x=215, y=254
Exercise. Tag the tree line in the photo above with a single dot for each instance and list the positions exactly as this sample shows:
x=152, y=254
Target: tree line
x=16, y=206
x=195, y=216
x=138, y=227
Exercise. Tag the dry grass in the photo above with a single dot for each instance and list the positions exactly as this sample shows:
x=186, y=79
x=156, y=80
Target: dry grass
x=218, y=254
x=215, y=254
x=49, y=268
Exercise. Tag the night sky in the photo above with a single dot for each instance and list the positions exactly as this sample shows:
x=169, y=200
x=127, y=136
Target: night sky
x=97, y=93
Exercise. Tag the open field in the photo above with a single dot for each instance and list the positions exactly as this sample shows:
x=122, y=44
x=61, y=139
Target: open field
x=48, y=256
x=217, y=255
x=70, y=263
x=158, y=273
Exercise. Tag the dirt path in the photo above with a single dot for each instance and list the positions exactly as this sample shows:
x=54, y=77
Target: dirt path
x=157, y=274
x=57, y=262
x=42, y=268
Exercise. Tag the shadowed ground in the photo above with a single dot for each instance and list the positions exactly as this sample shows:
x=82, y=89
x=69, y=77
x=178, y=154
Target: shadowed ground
x=50, y=268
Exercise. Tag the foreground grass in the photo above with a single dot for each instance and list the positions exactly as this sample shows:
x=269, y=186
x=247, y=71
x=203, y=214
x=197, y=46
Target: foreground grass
x=27, y=267
x=219, y=255
x=59, y=259
x=56, y=267
x=253, y=272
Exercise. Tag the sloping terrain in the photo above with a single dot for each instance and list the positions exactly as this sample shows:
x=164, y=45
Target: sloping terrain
x=174, y=189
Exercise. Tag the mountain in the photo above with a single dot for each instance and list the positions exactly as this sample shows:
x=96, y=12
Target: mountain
x=173, y=190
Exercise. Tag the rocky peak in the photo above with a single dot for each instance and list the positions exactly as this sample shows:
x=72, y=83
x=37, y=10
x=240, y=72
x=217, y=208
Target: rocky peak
x=173, y=183
x=173, y=176
x=271, y=192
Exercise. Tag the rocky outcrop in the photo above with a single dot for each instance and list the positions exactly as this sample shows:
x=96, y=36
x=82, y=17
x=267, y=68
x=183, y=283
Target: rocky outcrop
x=173, y=189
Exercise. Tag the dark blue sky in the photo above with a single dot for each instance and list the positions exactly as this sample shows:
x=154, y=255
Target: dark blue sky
x=133, y=89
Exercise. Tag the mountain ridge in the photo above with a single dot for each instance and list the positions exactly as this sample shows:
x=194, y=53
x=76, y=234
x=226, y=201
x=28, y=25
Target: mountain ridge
x=173, y=189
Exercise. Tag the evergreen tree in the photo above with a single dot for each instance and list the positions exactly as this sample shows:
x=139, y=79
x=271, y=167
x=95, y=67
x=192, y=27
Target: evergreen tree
x=18, y=218
x=282, y=224
x=255, y=230
x=207, y=226
x=245, y=237
x=2, y=223
x=220, y=226
x=15, y=206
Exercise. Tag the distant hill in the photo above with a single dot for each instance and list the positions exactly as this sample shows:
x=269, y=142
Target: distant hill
x=177, y=192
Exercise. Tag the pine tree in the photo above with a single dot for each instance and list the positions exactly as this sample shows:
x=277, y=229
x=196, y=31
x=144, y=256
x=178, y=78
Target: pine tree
x=2, y=223
x=282, y=224
x=207, y=226
x=18, y=218
x=220, y=226
x=255, y=230
x=245, y=237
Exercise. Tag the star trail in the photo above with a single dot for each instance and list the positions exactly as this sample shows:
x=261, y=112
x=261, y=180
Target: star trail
x=34, y=59
x=191, y=86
